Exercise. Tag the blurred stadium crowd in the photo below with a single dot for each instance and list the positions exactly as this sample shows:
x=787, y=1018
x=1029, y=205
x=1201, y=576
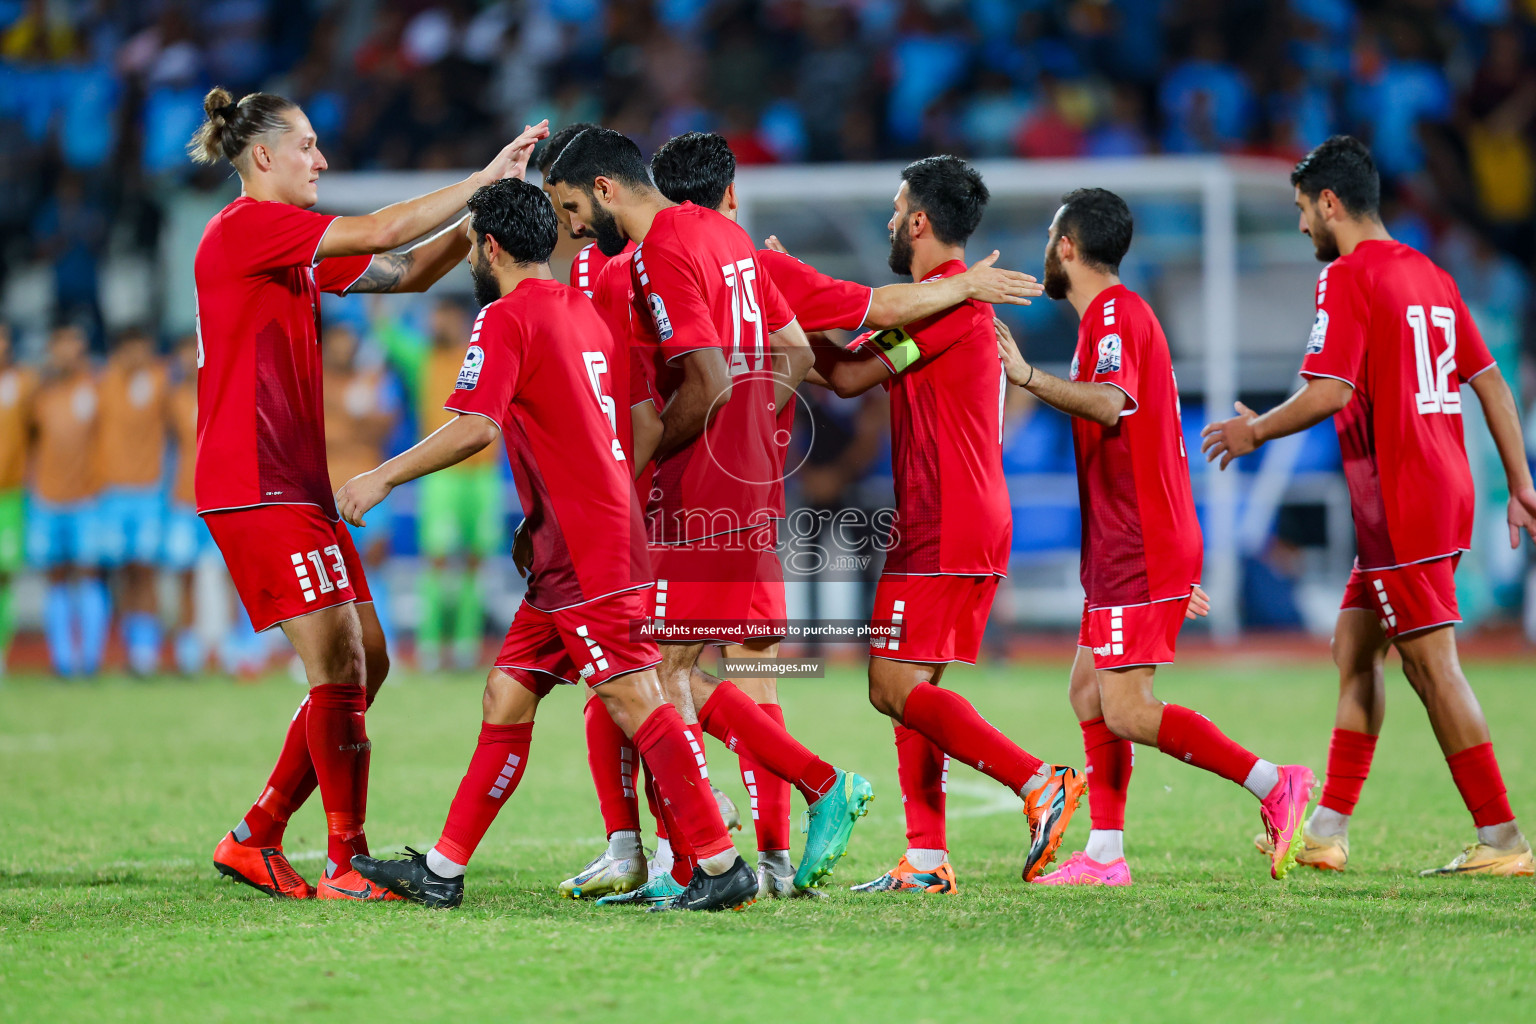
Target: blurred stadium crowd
x=98, y=98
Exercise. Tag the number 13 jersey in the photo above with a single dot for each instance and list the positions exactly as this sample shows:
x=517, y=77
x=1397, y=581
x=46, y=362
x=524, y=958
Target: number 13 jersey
x=540, y=365
x=1392, y=324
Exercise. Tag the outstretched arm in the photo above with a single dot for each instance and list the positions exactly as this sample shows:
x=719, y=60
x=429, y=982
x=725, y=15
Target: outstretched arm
x=1090, y=400
x=448, y=445
x=1245, y=432
x=893, y=305
x=399, y=223
x=1503, y=418
x=419, y=267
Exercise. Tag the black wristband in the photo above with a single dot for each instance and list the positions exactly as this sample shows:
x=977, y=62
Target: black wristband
x=1031, y=375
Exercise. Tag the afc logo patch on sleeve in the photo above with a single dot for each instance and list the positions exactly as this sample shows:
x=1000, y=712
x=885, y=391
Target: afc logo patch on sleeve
x=469, y=373
x=1109, y=354
x=1319, y=333
x=659, y=314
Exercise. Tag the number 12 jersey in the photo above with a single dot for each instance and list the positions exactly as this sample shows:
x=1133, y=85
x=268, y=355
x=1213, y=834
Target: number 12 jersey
x=1392, y=324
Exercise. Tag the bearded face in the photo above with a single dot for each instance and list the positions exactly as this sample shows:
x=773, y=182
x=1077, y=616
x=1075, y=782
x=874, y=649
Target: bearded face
x=1056, y=281
x=610, y=241
x=1325, y=245
x=487, y=290
x=900, y=259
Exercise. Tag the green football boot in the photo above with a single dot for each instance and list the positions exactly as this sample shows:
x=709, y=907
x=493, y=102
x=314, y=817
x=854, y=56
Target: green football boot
x=829, y=824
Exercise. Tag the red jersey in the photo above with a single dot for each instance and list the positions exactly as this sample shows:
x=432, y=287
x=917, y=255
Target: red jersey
x=953, y=516
x=260, y=415
x=698, y=286
x=1392, y=324
x=588, y=263
x=613, y=293
x=821, y=303
x=538, y=367
x=1141, y=540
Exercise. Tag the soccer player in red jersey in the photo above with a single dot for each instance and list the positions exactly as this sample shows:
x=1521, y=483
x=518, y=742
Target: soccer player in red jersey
x=712, y=320
x=1141, y=541
x=590, y=259
x=699, y=168
x=951, y=536
x=1389, y=351
x=535, y=374
x=261, y=480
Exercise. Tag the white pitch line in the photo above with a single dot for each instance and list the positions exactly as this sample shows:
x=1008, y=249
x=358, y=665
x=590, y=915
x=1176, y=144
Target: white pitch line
x=994, y=799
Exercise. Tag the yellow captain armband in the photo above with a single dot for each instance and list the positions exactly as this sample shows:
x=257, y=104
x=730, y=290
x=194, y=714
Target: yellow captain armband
x=898, y=347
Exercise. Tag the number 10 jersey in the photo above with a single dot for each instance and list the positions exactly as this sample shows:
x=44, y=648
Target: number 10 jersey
x=1392, y=324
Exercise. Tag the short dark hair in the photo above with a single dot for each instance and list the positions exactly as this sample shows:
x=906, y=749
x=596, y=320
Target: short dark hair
x=557, y=143
x=1343, y=165
x=519, y=216
x=1099, y=224
x=950, y=192
x=599, y=152
x=695, y=167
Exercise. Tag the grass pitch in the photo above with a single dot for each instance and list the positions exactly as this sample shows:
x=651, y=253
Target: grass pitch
x=112, y=796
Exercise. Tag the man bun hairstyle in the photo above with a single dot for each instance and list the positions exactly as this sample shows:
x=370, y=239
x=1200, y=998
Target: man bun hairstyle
x=519, y=216
x=1100, y=226
x=231, y=126
x=950, y=191
x=1343, y=165
x=599, y=153
x=695, y=167
x=556, y=145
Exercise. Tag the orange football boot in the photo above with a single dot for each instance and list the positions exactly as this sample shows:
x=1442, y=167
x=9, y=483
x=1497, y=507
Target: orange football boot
x=349, y=885
x=263, y=868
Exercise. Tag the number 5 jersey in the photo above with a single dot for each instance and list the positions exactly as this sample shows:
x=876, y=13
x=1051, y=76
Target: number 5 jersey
x=540, y=365
x=1392, y=324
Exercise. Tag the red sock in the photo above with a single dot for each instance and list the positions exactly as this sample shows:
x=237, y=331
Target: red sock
x=767, y=742
x=1193, y=738
x=1476, y=773
x=956, y=728
x=291, y=781
x=682, y=781
x=769, y=793
x=290, y=784
x=339, y=748
x=1349, y=762
x=924, y=773
x=654, y=803
x=495, y=768
x=1109, y=774
x=612, y=757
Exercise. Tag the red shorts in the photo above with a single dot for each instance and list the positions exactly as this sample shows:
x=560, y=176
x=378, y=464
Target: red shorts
x=1406, y=599
x=938, y=618
x=1142, y=634
x=287, y=561
x=720, y=591
x=589, y=643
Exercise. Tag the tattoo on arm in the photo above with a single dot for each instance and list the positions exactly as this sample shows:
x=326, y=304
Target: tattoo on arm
x=385, y=272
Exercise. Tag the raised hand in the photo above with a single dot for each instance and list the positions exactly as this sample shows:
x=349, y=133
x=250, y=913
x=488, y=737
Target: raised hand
x=512, y=161
x=998, y=286
x=776, y=245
